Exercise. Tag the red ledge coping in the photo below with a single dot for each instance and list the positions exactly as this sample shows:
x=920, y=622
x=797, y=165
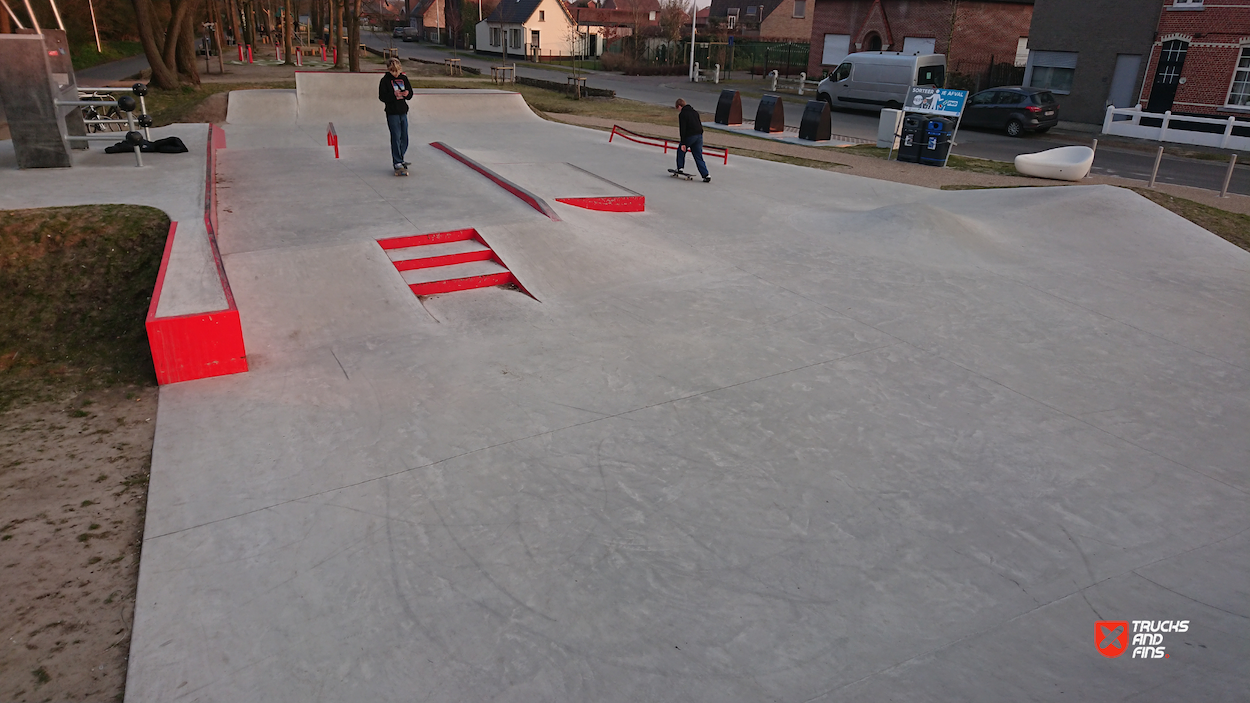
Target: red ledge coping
x=534, y=201
x=198, y=345
x=608, y=203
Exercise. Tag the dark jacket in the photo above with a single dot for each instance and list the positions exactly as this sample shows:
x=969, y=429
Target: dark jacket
x=688, y=122
x=387, y=90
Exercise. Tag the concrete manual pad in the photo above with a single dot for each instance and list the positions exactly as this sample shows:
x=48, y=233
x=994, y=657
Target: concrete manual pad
x=559, y=180
x=792, y=435
x=173, y=183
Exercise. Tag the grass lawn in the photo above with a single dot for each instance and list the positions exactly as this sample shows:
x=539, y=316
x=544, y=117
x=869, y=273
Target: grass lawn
x=86, y=56
x=170, y=106
x=75, y=283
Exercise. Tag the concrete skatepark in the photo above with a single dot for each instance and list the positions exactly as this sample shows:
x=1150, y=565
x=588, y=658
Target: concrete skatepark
x=792, y=435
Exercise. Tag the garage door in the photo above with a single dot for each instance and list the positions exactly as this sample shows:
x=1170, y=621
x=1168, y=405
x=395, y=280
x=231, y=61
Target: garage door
x=837, y=46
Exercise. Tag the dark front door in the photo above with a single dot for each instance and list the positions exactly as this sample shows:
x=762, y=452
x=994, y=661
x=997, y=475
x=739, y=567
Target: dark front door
x=1167, y=75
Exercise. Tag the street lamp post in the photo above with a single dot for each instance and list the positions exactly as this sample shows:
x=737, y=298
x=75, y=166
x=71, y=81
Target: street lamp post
x=694, y=18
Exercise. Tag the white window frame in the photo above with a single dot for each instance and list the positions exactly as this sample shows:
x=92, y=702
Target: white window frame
x=800, y=9
x=1243, y=56
x=542, y=16
x=1186, y=5
x=496, y=38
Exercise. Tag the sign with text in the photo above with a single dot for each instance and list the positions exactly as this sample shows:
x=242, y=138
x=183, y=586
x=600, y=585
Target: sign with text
x=935, y=101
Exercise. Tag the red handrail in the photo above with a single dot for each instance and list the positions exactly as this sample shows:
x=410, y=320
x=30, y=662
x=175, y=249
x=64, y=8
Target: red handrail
x=617, y=130
x=332, y=138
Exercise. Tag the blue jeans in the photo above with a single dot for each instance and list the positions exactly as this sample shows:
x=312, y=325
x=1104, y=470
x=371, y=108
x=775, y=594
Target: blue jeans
x=695, y=145
x=398, y=124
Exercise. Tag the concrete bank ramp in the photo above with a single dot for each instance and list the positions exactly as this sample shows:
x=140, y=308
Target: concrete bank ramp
x=353, y=97
x=261, y=107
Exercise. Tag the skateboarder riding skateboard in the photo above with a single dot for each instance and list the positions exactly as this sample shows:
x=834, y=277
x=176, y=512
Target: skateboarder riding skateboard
x=691, y=128
x=395, y=91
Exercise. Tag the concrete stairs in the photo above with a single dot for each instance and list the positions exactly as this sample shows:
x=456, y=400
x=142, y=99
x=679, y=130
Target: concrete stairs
x=443, y=262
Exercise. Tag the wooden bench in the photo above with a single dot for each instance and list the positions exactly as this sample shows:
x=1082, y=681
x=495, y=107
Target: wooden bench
x=503, y=74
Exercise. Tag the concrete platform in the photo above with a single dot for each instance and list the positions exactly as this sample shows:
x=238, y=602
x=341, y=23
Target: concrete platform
x=791, y=435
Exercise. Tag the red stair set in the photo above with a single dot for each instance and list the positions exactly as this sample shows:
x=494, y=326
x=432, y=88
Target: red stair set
x=447, y=261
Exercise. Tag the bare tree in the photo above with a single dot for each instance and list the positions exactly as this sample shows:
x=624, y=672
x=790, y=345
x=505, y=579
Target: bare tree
x=163, y=53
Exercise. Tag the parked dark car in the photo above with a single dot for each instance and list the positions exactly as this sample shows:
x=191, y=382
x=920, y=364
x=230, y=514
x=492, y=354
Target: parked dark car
x=1013, y=110
x=397, y=33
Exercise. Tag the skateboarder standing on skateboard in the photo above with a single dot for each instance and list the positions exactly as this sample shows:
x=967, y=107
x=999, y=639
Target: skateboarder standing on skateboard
x=691, y=128
x=395, y=91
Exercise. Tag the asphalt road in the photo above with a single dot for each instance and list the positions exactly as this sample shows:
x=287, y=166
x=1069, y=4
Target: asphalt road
x=664, y=90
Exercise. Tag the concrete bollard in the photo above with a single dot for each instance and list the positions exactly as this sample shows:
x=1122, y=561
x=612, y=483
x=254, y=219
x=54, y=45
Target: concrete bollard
x=695, y=77
x=1154, y=173
x=802, y=82
x=772, y=86
x=716, y=74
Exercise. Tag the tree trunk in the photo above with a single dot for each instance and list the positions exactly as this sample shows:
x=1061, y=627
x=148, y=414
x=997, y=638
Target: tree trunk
x=163, y=76
x=232, y=7
x=288, y=31
x=187, y=68
x=336, y=28
x=353, y=36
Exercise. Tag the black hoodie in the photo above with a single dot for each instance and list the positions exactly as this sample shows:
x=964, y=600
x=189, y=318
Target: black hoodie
x=688, y=122
x=387, y=88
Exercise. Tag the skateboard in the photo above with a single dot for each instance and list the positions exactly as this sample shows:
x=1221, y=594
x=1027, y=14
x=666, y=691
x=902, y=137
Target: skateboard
x=401, y=172
x=675, y=173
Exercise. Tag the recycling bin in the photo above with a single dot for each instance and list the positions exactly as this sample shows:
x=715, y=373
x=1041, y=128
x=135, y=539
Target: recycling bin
x=911, y=138
x=937, y=140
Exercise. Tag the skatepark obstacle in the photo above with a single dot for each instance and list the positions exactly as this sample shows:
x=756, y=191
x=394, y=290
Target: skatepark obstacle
x=666, y=144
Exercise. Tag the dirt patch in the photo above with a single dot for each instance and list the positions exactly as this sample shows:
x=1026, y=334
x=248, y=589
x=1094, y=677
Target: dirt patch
x=73, y=489
x=77, y=412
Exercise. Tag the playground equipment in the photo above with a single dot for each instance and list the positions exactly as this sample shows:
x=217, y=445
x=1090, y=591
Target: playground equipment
x=44, y=104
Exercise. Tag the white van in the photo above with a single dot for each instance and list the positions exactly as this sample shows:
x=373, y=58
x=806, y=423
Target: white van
x=871, y=80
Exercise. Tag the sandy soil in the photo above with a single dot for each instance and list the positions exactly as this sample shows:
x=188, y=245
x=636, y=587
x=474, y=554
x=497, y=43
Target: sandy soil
x=73, y=490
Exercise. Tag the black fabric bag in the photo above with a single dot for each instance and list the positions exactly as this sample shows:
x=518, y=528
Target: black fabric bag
x=167, y=145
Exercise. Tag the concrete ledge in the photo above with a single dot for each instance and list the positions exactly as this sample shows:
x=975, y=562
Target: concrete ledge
x=203, y=343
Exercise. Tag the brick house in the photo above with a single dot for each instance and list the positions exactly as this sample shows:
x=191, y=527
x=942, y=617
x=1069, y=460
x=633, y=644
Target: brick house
x=986, y=32
x=1200, y=61
x=766, y=20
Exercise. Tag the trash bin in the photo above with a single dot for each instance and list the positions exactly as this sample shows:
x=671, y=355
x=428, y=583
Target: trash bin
x=911, y=139
x=937, y=140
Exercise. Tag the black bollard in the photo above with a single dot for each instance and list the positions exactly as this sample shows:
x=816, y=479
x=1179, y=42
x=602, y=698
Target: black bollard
x=729, y=108
x=771, y=115
x=816, y=125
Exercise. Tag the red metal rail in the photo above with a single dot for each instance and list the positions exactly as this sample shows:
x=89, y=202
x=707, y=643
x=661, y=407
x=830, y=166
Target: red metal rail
x=332, y=138
x=666, y=144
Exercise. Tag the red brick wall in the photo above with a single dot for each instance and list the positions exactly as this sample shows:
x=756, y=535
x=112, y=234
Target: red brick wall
x=1215, y=35
x=982, y=29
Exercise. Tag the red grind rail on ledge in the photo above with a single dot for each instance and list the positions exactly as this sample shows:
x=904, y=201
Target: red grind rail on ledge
x=666, y=144
x=332, y=138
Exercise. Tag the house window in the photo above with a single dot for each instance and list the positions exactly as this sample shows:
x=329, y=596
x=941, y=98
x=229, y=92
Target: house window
x=514, y=38
x=494, y=36
x=800, y=9
x=651, y=15
x=1239, y=95
x=750, y=10
x=1187, y=4
x=1053, y=70
x=731, y=20
x=542, y=16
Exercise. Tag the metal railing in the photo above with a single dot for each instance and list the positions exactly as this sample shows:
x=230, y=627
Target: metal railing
x=666, y=144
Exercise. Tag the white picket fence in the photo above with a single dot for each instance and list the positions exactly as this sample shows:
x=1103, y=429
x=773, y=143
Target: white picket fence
x=1168, y=131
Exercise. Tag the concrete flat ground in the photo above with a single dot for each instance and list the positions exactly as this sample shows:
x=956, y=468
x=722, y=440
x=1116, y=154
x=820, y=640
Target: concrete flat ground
x=792, y=435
